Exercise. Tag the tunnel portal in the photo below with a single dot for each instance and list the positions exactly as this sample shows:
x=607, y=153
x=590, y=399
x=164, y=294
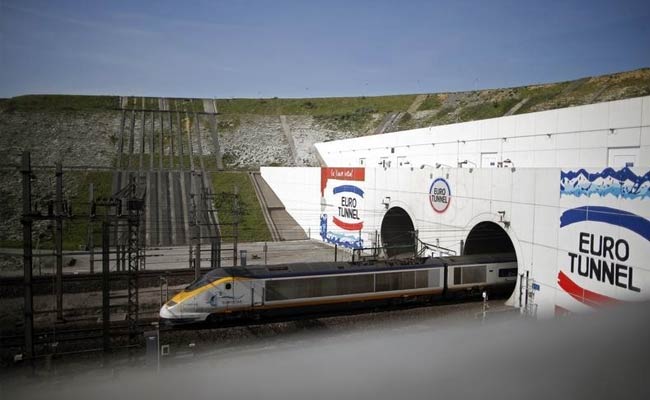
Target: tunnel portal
x=397, y=233
x=488, y=238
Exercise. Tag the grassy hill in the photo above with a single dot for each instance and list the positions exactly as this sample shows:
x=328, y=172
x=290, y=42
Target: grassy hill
x=464, y=106
x=343, y=117
x=84, y=130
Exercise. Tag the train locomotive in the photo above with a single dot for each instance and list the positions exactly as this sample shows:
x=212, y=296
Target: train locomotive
x=313, y=288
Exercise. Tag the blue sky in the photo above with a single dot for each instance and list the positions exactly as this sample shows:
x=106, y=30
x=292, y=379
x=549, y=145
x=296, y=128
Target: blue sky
x=312, y=48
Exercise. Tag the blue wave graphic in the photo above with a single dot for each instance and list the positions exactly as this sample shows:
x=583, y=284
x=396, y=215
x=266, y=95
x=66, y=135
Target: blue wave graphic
x=347, y=241
x=348, y=188
x=623, y=183
x=608, y=215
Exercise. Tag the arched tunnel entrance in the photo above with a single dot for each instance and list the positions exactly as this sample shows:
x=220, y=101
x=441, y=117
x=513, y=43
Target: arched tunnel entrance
x=397, y=231
x=490, y=238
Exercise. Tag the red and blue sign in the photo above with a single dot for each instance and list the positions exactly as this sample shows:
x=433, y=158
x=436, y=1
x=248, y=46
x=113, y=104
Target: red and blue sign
x=348, y=207
x=341, y=219
x=439, y=195
x=606, y=243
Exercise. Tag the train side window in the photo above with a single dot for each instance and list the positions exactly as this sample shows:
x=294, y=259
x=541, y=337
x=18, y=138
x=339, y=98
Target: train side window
x=407, y=280
x=435, y=276
x=421, y=279
x=457, y=276
x=395, y=281
x=318, y=287
x=474, y=274
x=354, y=284
x=280, y=289
x=386, y=282
x=507, y=272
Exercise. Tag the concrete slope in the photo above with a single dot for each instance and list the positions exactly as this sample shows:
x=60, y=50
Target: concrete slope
x=419, y=99
x=516, y=107
x=390, y=121
x=289, y=137
x=280, y=222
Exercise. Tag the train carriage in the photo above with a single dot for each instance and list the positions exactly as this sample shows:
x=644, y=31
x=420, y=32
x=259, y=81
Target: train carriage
x=312, y=288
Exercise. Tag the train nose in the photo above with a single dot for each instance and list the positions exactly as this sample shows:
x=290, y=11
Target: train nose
x=165, y=313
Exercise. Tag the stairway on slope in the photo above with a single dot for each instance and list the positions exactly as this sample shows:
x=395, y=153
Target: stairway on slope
x=389, y=123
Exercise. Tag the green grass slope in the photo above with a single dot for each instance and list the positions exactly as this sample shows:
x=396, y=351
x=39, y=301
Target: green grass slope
x=323, y=118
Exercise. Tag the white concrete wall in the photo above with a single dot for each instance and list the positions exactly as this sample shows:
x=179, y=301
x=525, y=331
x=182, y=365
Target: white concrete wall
x=569, y=137
x=530, y=200
x=298, y=189
x=544, y=147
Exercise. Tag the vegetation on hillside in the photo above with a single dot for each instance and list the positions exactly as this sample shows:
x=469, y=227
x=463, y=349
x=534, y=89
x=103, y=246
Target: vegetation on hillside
x=353, y=113
x=316, y=106
x=56, y=102
x=75, y=232
x=252, y=226
x=242, y=122
x=487, y=109
x=432, y=102
x=354, y=121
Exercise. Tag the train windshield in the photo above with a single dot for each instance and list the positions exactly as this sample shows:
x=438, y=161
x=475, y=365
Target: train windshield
x=207, y=278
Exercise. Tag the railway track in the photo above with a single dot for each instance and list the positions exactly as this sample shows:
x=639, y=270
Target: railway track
x=87, y=337
x=84, y=334
x=18, y=280
x=80, y=283
x=75, y=334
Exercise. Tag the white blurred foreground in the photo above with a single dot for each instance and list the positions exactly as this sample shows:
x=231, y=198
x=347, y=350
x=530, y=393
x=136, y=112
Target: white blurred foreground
x=604, y=355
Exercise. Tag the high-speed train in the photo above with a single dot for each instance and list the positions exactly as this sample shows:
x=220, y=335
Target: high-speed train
x=312, y=288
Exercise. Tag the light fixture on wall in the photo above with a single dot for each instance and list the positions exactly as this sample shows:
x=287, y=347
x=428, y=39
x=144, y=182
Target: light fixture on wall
x=465, y=162
x=386, y=202
x=438, y=165
x=502, y=219
x=512, y=164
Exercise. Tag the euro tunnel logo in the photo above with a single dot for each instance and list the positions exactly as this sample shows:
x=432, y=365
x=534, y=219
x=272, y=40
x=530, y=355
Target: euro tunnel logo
x=348, y=202
x=601, y=255
x=439, y=195
x=342, y=205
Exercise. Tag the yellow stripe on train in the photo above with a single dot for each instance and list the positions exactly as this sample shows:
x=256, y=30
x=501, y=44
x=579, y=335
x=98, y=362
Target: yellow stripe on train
x=184, y=295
